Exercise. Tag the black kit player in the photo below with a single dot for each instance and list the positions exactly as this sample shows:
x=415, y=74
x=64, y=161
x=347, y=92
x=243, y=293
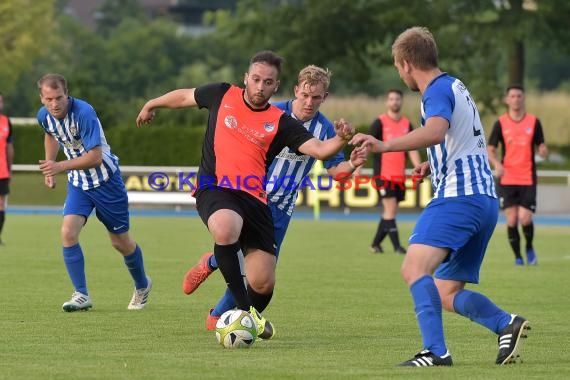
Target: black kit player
x=243, y=136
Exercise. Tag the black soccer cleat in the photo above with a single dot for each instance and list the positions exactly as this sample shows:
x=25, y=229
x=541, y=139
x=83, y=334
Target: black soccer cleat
x=426, y=358
x=401, y=250
x=265, y=329
x=510, y=340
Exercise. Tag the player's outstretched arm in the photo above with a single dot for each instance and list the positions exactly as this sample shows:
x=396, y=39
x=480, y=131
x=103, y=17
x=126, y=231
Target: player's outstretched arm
x=89, y=160
x=323, y=150
x=357, y=159
x=174, y=99
x=432, y=133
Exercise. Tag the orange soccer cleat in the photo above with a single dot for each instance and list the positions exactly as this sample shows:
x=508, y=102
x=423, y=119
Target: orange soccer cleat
x=197, y=274
x=211, y=321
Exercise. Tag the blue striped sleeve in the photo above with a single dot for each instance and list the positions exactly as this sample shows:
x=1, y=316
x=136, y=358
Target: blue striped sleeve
x=89, y=128
x=439, y=100
x=329, y=134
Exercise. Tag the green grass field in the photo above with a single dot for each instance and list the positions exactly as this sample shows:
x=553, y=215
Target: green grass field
x=340, y=312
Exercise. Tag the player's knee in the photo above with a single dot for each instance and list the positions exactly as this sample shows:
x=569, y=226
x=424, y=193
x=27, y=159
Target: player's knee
x=124, y=245
x=69, y=236
x=526, y=219
x=408, y=275
x=262, y=282
x=225, y=237
x=263, y=286
x=118, y=245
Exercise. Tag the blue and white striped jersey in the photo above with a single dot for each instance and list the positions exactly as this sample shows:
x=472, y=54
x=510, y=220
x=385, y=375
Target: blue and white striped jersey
x=459, y=165
x=77, y=133
x=288, y=169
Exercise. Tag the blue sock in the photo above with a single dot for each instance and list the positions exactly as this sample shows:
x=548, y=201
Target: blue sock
x=224, y=304
x=135, y=265
x=480, y=309
x=428, y=312
x=213, y=263
x=75, y=264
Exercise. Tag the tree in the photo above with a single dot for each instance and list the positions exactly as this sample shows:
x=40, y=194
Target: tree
x=25, y=32
x=114, y=12
x=483, y=42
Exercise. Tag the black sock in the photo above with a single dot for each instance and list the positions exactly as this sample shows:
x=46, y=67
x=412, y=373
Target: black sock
x=393, y=232
x=515, y=240
x=229, y=264
x=259, y=301
x=528, y=232
x=381, y=232
x=2, y=217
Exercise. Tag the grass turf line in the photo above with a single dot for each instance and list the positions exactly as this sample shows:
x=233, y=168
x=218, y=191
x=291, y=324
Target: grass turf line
x=340, y=312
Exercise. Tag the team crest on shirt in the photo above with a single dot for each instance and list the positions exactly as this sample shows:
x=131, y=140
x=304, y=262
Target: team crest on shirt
x=74, y=144
x=230, y=122
x=73, y=130
x=528, y=131
x=268, y=127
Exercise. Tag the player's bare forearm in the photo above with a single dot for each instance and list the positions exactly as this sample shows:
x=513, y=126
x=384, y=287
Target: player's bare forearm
x=492, y=153
x=10, y=155
x=174, y=99
x=415, y=157
x=432, y=133
x=497, y=165
x=51, y=147
x=343, y=167
x=357, y=159
x=322, y=150
x=543, y=150
x=90, y=160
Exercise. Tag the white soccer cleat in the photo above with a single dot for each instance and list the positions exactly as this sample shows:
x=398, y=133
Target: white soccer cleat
x=140, y=297
x=78, y=302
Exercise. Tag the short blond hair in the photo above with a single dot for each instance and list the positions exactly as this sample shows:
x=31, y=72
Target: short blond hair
x=53, y=81
x=313, y=75
x=416, y=46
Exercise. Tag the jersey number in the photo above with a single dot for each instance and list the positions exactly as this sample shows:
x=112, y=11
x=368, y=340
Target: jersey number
x=476, y=132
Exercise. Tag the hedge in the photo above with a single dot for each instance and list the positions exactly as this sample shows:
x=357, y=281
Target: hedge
x=135, y=146
x=167, y=145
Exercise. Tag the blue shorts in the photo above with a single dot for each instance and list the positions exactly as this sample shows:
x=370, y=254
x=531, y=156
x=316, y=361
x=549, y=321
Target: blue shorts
x=280, y=223
x=464, y=225
x=109, y=200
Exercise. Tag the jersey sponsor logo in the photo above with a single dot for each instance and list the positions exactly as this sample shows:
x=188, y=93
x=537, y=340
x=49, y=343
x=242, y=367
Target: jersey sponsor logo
x=268, y=127
x=230, y=122
x=252, y=135
x=293, y=156
x=460, y=86
x=75, y=144
x=227, y=106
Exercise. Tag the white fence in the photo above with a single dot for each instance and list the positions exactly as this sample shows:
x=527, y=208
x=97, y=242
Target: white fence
x=552, y=198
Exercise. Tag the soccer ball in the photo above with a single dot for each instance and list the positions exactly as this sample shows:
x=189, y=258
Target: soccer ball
x=236, y=329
